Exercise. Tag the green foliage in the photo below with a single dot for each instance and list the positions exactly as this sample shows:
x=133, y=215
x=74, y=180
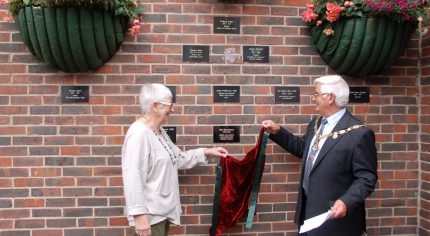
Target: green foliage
x=128, y=8
x=399, y=10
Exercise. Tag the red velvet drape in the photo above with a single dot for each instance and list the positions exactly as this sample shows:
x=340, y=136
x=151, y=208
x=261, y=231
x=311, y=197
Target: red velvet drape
x=237, y=180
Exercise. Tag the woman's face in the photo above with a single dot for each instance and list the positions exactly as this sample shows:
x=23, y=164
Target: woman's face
x=164, y=110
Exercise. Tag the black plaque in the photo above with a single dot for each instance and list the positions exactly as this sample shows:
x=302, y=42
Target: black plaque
x=75, y=94
x=359, y=94
x=226, y=94
x=287, y=95
x=173, y=90
x=226, y=25
x=195, y=53
x=256, y=54
x=171, y=131
x=226, y=134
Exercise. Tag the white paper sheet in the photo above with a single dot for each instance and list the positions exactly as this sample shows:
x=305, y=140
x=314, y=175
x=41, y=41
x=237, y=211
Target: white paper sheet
x=315, y=222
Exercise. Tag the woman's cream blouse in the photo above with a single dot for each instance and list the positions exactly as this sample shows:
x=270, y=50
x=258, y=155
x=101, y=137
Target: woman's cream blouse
x=150, y=176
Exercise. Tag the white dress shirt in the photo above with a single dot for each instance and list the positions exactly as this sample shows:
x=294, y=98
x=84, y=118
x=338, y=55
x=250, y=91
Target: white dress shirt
x=331, y=123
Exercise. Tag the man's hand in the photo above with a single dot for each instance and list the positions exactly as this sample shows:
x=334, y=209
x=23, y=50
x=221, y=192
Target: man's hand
x=143, y=228
x=271, y=126
x=339, y=209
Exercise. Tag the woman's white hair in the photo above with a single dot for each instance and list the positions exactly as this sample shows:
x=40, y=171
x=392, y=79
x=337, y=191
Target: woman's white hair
x=151, y=93
x=336, y=85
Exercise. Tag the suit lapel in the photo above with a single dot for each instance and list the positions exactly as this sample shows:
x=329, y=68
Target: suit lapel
x=330, y=141
x=309, y=137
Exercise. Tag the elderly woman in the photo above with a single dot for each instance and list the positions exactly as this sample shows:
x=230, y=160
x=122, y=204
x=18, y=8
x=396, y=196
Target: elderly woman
x=150, y=163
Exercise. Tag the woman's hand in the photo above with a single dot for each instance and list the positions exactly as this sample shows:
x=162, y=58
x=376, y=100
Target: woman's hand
x=271, y=126
x=216, y=151
x=143, y=228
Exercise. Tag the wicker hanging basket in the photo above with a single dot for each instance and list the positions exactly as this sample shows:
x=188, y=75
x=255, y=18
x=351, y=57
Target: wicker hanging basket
x=71, y=39
x=362, y=46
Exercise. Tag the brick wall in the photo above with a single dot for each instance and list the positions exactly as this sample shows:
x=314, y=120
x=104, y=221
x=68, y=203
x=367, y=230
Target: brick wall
x=424, y=102
x=61, y=171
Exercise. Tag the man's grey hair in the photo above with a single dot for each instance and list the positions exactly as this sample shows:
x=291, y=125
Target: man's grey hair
x=336, y=85
x=151, y=93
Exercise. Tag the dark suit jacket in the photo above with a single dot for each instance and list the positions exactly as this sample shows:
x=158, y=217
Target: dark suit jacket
x=345, y=169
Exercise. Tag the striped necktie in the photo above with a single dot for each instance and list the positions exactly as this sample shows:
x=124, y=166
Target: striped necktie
x=312, y=155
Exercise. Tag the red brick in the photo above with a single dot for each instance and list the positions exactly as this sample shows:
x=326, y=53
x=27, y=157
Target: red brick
x=5, y=183
x=118, y=221
x=28, y=182
x=44, y=172
x=109, y=69
x=6, y=224
x=151, y=58
x=75, y=150
x=167, y=49
x=255, y=10
x=227, y=109
x=26, y=203
x=5, y=161
x=115, y=181
x=26, y=161
x=45, y=232
x=141, y=69
x=43, y=89
x=108, y=110
x=106, y=130
x=14, y=213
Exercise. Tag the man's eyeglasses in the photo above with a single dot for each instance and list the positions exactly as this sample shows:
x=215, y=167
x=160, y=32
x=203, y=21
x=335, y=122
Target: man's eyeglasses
x=319, y=94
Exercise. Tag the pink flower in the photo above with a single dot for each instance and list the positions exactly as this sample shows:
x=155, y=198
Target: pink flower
x=389, y=7
x=319, y=22
x=135, y=29
x=348, y=3
x=333, y=11
x=310, y=6
x=309, y=15
x=3, y=2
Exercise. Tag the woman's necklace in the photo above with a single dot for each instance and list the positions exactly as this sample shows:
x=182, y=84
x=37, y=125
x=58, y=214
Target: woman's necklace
x=164, y=142
x=169, y=150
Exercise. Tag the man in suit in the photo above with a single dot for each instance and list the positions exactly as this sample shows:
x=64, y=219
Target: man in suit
x=338, y=161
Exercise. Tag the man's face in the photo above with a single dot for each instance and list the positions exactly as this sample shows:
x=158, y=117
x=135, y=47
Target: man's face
x=321, y=100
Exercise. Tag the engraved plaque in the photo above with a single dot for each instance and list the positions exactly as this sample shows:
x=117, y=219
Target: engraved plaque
x=173, y=90
x=256, y=54
x=226, y=134
x=359, y=94
x=226, y=25
x=287, y=95
x=171, y=131
x=226, y=94
x=75, y=94
x=195, y=53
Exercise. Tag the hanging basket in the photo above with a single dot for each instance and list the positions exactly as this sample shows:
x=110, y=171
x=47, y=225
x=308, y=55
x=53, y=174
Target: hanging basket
x=362, y=46
x=71, y=39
